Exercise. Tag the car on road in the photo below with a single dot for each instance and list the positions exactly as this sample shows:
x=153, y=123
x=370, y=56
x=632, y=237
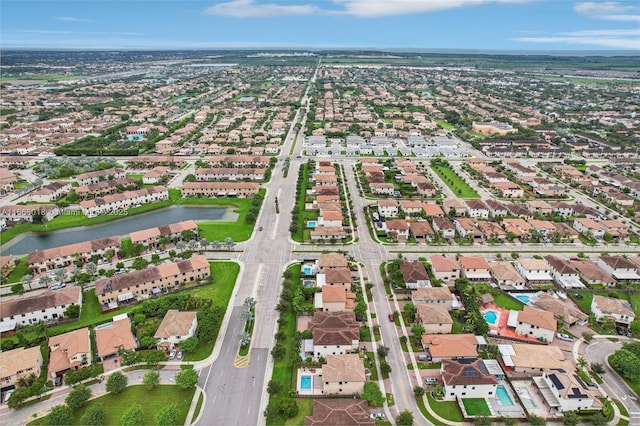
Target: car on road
x=564, y=337
x=260, y=229
x=172, y=354
x=391, y=318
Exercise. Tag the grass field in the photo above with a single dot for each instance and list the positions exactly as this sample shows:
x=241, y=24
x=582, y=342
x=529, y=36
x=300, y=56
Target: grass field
x=151, y=401
x=21, y=269
x=476, y=406
x=445, y=125
x=455, y=183
x=501, y=299
x=585, y=303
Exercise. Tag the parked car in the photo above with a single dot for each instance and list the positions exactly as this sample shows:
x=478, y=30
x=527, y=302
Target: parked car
x=430, y=380
x=180, y=355
x=564, y=337
x=172, y=354
x=578, y=296
x=620, y=331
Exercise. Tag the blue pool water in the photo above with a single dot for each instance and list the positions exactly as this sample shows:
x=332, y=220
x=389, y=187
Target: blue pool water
x=311, y=224
x=491, y=317
x=503, y=396
x=305, y=382
x=523, y=298
x=307, y=270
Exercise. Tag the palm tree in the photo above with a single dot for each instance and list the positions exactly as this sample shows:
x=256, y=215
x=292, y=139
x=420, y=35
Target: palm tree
x=215, y=246
x=60, y=274
x=204, y=243
x=192, y=245
x=228, y=243
x=582, y=363
x=249, y=302
x=26, y=279
x=180, y=245
x=44, y=280
x=244, y=338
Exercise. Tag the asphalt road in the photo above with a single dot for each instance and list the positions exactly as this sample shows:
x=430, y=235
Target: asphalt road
x=616, y=388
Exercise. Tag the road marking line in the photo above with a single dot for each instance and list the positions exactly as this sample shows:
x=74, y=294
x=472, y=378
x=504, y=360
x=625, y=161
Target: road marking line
x=241, y=361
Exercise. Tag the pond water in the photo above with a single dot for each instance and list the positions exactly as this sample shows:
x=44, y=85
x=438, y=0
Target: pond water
x=32, y=241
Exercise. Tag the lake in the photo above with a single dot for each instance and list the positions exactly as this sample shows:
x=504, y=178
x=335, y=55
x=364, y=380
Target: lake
x=32, y=241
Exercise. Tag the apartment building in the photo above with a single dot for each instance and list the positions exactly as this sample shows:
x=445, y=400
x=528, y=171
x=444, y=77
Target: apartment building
x=123, y=201
x=60, y=257
x=220, y=189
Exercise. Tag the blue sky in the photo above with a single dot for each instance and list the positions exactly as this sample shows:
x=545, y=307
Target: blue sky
x=427, y=24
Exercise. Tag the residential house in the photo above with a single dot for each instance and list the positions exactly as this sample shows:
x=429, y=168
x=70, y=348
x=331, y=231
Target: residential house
x=421, y=230
x=339, y=412
x=477, y=208
x=388, y=208
x=432, y=210
x=434, y=296
x=444, y=269
x=534, y=271
x=397, y=229
x=51, y=192
x=533, y=322
x=32, y=308
x=220, y=189
x=508, y=189
x=68, y=351
x=100, y=175
x=565, y=391
x=334, y=333
x=63, y=256
x=468, y=227
x=563, y=272
x=533, y=359
x=230, y=174
x=335, y=299
x=475, y=268
x=175, y=327
x=331, y=261
x=382, y=188
x=620, y=268
x=335, y=277
x=123, y=201
x=444, y=226
x=456, y=205
x=411, y=208
x=113, y=337
x=19, y=363
x=590, y=273
x=588, y=226
x=506, y=276
x=149, y=282
x=467, y=378
x=450, y=346
x=149, y=237
x=492, y=231
x=155, y=175
x=328, y=233
x=562, y=309
x=434, y=318
x=540, y=207
x=496, y=208
x=619, y=310
x=414, y=273
x=343, y=375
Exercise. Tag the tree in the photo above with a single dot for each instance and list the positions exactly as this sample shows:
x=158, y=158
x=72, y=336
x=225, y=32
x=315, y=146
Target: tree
x=134, y=416
x=482, y=421
x=17, y=288
x=372, y=394
x=117, y=382
x=44, y=280
x=151, y=380
x=597, y=368
x=587, y=336
x=60, y=274
x=167, y=416
x=288, y=407
x=273, y=387
x=60, y=415
x=18, y=397
x=410, y=311
x=155, y=258
x=91, y=268
x=582, y=363
x=570, y=418
x=417, y=331
x=228, y=243
x=626, y=363
x=72, y=311
x=535, y=420
x=78, y=397
x=189, y=344
x=186, y=379
x=418, y=391
x=26, y=279
x=383, y=351
x=95, y=415
x=405, y=418
x=204, y=243
x=139, y=263
x=385, y=367
x=215, y=246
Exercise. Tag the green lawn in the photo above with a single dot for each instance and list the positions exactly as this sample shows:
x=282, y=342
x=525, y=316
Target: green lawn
x=448, y=410
x=21, y=269
x=476, y=406
x=445, y=125
x=455, y=183
x=151, y=401
x=585, y=303
x=501, y=299
x=635, y=302
x=305, y=408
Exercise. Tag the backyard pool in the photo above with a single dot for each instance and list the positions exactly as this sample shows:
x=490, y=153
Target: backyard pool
x=308, y=283
x=523, y=298
x=305, y=383
x=490, y=317
x=312, y=224
x=503, y=396
x=307, y=270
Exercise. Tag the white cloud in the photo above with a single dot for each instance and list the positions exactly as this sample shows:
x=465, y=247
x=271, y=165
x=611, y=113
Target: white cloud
x=251, y=9
x=608, y=11
x=617, y=38
x=125, y=33
x=380, y=8
x=359, y=8
x=69, y=19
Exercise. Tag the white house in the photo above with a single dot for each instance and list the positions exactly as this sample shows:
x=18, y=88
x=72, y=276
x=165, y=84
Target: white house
x=467, y=378
x=43, y=307
x=607, y=307
x=388, y=208
x=533, y=322
x=619, y=267
x=565, y=391
x=343, y=375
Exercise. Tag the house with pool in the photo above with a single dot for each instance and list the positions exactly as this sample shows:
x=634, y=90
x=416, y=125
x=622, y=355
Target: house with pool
x=340, y=375
x=468, y=378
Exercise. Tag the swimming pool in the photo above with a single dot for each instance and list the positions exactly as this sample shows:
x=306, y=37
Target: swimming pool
x=312, y=224
x=523, y=298
x=305, y=383
x=503, y=396
x=490, y=317
x=307, y=270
